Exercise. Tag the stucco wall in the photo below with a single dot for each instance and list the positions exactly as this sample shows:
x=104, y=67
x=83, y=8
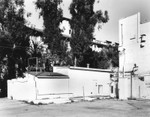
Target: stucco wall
x=130, y=31
x=124, y=88
x=52, y=86
x=130, y=34
x=87, y=81
x=129, y=41
x=141, y=89
x=62, y=70
x=22, y=89
x=81, y=82
x=31, y=88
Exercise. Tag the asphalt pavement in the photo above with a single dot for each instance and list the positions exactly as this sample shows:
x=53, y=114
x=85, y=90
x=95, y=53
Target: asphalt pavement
x=97, y=108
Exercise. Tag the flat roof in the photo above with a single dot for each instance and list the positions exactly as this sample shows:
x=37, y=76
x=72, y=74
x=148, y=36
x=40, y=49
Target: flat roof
x=49, y=75
x=91, y=69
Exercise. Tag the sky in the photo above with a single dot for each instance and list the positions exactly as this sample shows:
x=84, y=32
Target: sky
x=117, y=9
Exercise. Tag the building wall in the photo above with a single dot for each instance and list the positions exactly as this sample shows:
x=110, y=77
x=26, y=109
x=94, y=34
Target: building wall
x=141, y=89
x=124, y=88
x=31, y=88
x=22, y=89
x=61, y=70
x=87, y=81
x=130, y=33
x=128, y=41
x=81, y=82
x=52, y=86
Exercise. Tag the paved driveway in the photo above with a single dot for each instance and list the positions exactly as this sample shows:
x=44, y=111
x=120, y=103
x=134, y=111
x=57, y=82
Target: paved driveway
x=98, y=108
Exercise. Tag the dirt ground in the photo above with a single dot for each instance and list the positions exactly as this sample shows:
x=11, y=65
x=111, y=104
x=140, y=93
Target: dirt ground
x=97, y=108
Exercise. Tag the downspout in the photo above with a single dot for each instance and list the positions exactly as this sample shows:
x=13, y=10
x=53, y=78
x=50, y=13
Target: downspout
x=36, y=90
x=131, y=85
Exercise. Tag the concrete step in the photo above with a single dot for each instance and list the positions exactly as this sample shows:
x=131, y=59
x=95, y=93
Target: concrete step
x=50, y=101
x=53, y=96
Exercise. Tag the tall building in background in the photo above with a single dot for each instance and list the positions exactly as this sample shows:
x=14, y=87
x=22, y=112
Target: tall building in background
x=134, y=58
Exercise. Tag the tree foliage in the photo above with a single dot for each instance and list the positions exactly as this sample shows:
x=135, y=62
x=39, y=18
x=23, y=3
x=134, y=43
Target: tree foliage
x=52, y=16
x=83, y=22
x=108, y=57
x=14, y=38
x=36, y=48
